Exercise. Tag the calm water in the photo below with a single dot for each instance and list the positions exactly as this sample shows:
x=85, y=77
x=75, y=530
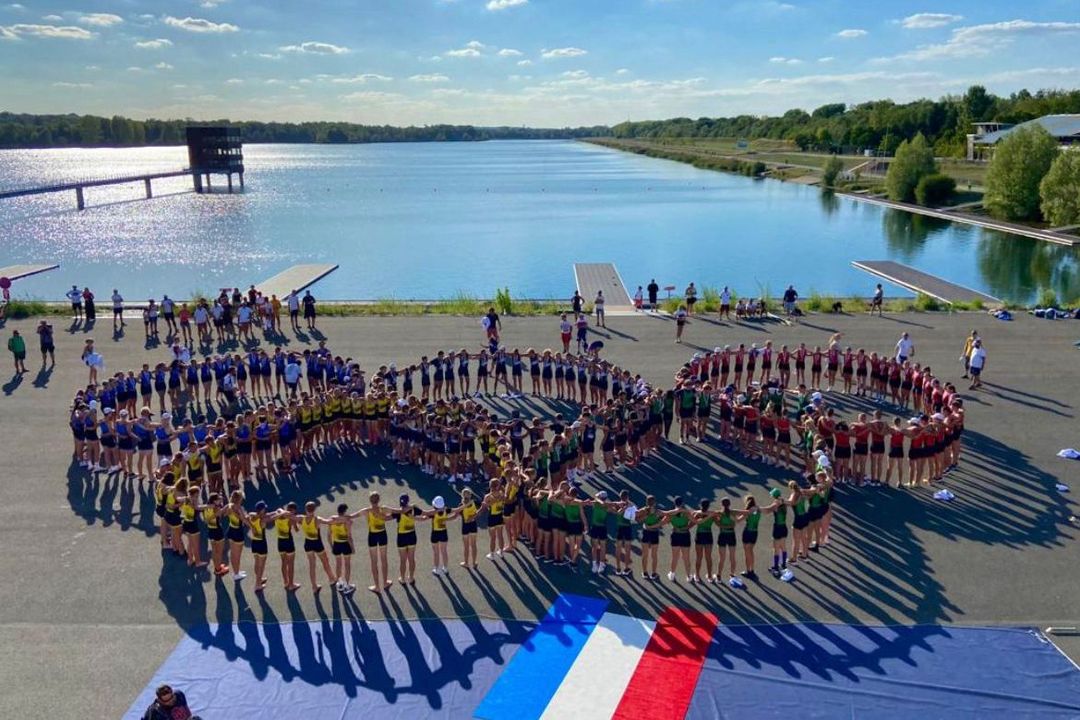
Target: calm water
x=430, y=220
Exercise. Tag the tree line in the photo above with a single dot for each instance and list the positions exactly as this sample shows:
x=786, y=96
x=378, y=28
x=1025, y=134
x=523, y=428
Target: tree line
x=879, y=125
x=49, y=131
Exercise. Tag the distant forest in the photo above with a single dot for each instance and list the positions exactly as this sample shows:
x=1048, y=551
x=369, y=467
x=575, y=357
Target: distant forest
x=48, y=131
x=880, y=125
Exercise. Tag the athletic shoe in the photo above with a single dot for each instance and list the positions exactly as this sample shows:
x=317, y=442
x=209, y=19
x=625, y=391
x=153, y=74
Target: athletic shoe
x=490, y=556
x=239, y=576
x=595, y=567
x=601, y=568
x=671, y=577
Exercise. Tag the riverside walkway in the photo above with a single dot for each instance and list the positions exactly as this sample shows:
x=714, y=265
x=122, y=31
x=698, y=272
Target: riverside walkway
x=918, y=281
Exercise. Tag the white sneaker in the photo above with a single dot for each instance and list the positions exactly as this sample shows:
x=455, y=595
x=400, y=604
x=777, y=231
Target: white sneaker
x=671, y=576
x=468, y=477
x=434, y=571
x=602, y=568
x=499, y=552
x=490, y=556
x=595, y=567
x=239, y=576
x=443, y=570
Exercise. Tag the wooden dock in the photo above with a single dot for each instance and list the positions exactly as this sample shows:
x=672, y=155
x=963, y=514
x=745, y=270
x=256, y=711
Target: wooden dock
x=919, y=282
x=593, y=277
x=16, y=272
x=298, y=277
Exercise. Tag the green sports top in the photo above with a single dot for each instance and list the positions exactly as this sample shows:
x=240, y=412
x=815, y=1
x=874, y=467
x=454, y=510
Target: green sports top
x=704, y=526
x=687, y=400
x=679, y=522
x=545, y=507
x=800, y=506
x=599, y=514
x=669, y=402
x=815, y=500
x=753, y=519
x=557, y=510
x=704, y=401
x=652, y=520
x=780, y=516
x=726, y=523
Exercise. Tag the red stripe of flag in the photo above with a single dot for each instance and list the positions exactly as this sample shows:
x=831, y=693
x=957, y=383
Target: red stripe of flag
x=666, y=675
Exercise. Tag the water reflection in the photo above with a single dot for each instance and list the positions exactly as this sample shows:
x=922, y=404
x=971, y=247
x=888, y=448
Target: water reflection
x=906, y=233
x=1017, y=269
x=829, y=202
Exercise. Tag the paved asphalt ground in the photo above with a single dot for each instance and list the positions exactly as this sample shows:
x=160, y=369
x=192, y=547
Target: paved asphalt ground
x=89, y=608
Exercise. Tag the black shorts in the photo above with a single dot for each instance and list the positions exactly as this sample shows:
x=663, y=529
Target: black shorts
x=314, y=545
x=843, y=453
x=494, y=520
x=749, y=537
x=377, y=539
x=703, y=538
x=726, y=539
x=598, y=532
x=341, y=547
x=258, y=547
x=191, y=527
x=575, y=528
x=172, y=518
x=468, y=527
x=650, y=536
x=286, y=546
x=235, y=534
x=546, y=524
x=406, y=539
x=216, y=534
x=680, y=539
x=779, y=532
x=860, y=449
x=896, y=452
x=801, y=521
x=624, y=532
x=877, y=448
x=438, y=536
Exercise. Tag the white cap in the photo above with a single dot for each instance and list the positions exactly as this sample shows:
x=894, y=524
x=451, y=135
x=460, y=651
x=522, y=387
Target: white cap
x=697, y=356
x=716, y=349
x=393, y=366
x=123, y=413
x=93, y=404
x=438, y=502
x=166, y=416
x=602, y=495
x=107, y=411
x=938, y=416
x=163, y=462
x=402, y=403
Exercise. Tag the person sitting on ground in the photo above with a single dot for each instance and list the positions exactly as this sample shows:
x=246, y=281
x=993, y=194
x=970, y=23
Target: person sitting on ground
x=168, y=704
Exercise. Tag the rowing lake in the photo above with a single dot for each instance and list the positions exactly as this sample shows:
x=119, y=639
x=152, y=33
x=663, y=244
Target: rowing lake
x=429, y=220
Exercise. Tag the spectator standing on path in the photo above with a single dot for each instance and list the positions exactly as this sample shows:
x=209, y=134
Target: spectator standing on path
x=725, y=303
x=582, y=324
x=598, y=305
x=117, y=309
x=965, y=355
x=168, y=704
x=168, y=313
x=691, y=298
x=17, y=345
x=309, y=310
x=905, y=348
x=275, y=313
x=93, y=360
x=654, y=293
x=681, y=316
x=878, y=301
x=639, y=299
x=293, y=302
x=75, y=296
x=790, y=296
x=48, y=346
x=577, y=303
x=493, y=326
x=89, y=309
x=565, y=333
x=976, y=364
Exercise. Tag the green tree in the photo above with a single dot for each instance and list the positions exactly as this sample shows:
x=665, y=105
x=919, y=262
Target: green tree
x=1020, y=162
x=934, y=190
x=833, y=167
x=913, y=161
x=1060, y=190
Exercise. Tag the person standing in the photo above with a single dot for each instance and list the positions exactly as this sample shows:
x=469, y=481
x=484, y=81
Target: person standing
x=117, y=309
x=976, y=364
x=293, y=303
x=680, y=322
x=654, y=292
x=965, y=356
x=75, y=296
x=309, y=310
x=905, y=349
x=168, y=313
x=725, y=302
x=17, y=345
x=691, y=298
x=565, y=333
x=493, y=326
x=639, y=299
x=89, y=309
x=598, y=306
x=878, y=301
x=582, y=324
x=577, y=302
x=790, y=296
x=48, y=346
x=275, y=313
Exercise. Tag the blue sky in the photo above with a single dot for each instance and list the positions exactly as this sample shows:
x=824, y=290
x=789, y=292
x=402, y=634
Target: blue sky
x=517, y=62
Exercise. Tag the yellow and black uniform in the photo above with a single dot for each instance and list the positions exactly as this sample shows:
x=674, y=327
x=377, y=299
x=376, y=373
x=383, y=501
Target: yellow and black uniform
x=236, y=526
x=213, y=526
x=283, y=525
x=316, y=414
x=159, y=499
x=511, y=500
x=188, y=516
x=312, y=536
x=376, y=526
x=333, y=408
x=195, y=467
x=438, y=526
x=213, y=455
x=305, y=418
x=172, y=508
x=383, y=407
x=495, y=509
x=468, y=518
x=406, y=526
x=258, y=534
x=370, y=408
x=340, y=544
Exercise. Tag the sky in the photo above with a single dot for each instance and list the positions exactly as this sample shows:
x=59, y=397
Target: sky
x=541, y=63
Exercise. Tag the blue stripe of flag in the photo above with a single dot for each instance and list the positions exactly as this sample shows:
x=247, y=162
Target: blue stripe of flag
x=538, y=667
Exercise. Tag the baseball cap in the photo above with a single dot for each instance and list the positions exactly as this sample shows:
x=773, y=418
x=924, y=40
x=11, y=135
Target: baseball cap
x=438, y=502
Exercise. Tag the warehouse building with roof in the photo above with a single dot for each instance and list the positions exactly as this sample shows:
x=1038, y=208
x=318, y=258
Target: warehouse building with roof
x=980, y=144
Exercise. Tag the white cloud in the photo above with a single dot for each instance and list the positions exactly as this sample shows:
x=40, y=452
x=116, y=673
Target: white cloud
x=156, y=44
x=100, y=19
x=524, y=63
x=268, y=56
x=271, y=81
x=475, y=45
x=432, y=78
x=846, y=79
x=509, y=52
x=826, y=59
x=518, y=78
x=134, y=69
x=359, y=79
x=922, y=21
x=211, y=4
x=199, y=25
x=72, y=86
x=92, y=68
x=64, y=32
x=16, y=6
x=563, y=52
x=370, y=96
x=52, y=18
x=778, y=60
x=163, y=66
x=622, y=71
x=470, y=50
x=504, y=4
x=315, y=48
x=851, y=33
x=576, y=74
x=981, y=40
x=234, y=81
